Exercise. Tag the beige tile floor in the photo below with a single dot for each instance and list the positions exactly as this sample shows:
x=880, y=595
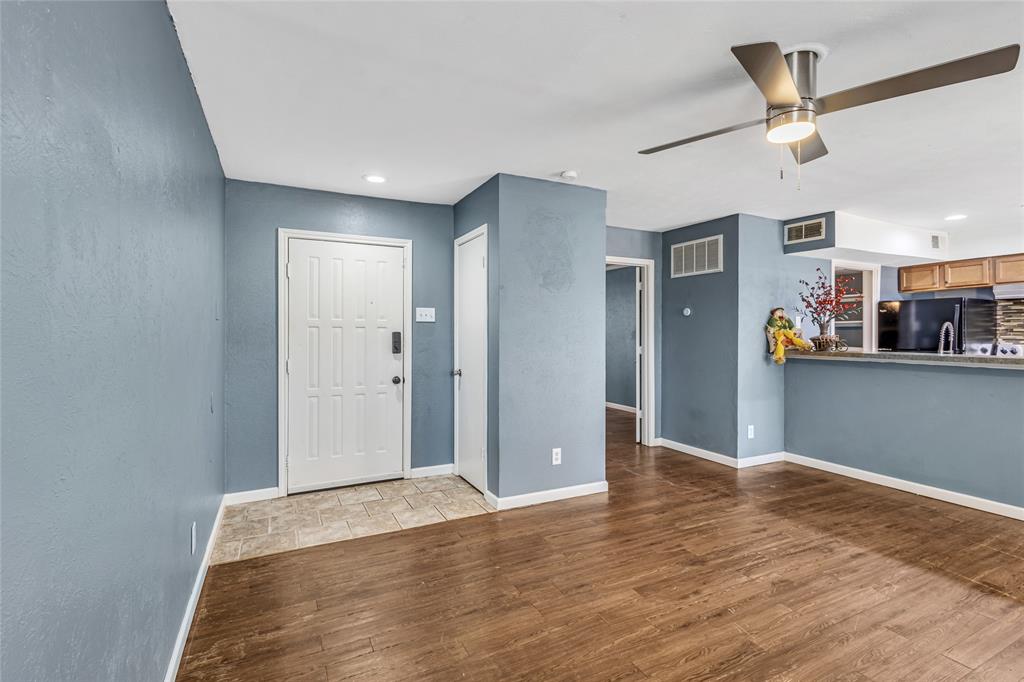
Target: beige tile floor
x=285, y=523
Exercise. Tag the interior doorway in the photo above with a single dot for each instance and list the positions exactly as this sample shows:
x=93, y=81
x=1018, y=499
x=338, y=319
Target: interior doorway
x=858, y=326
x=630, y=342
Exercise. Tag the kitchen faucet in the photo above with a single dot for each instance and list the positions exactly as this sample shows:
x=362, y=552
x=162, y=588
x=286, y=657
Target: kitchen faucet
x=946, y=332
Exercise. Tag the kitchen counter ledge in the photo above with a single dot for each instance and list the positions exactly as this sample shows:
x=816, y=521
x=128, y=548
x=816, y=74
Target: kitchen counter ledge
x=983, y=361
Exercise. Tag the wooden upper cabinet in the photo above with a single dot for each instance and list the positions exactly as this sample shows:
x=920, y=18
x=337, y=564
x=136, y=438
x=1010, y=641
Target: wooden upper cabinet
x=976, y=272
x=1008, y=269
x=920, y=277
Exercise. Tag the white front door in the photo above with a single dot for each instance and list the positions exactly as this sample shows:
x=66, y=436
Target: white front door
x=345, y=390
x=471, y=360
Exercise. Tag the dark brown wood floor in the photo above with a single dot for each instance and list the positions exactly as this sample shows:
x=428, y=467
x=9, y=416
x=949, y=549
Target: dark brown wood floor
x=684, y=570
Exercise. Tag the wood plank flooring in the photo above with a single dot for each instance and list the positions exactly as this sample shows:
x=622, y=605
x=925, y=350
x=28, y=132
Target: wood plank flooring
x=684, y=570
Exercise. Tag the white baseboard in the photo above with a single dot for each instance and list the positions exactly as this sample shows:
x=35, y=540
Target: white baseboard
x=439, y=470
x=251, y=496
x=719, y=458
x=624, y=408
x=542, y=496
x=962, y=499
x=193, y=600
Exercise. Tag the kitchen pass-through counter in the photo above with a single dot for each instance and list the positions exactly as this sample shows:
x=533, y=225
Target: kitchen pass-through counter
x=983, y=361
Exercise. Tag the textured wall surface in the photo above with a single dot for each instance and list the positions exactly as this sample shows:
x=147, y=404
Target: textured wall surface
x=700, y=356
x=767, y=279
x=955, y=428
x=477, y=208
x=254, y=212
x=551, y=253
x=643, y=244
x=112, y=360
x=620, y=336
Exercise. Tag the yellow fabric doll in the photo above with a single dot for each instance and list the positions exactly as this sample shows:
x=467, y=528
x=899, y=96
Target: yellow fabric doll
x=783, y=331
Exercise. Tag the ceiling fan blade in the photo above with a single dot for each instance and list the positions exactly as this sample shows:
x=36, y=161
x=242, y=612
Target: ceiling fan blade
x=695, y=138
x=767, y=67
x=811, y=148
x=957, y=71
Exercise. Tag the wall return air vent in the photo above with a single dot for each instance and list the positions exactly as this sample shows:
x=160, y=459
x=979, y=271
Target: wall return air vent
x=809, y=231
x=697, y=257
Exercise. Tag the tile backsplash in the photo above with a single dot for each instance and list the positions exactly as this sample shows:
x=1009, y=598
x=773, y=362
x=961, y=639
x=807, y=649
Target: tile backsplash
x=1010, y=320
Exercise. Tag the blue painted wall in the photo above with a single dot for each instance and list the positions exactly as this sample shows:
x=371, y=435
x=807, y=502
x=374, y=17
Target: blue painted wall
x=112, y=342
x=643, y=244
x=954, y=428
x=767, y=279
x=551, y=327
x=480, y=207
x=254, y=212
x=620, y=336
x=700, y=354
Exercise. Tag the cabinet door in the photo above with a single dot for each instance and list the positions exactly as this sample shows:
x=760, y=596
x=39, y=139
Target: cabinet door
x=1009, y=269
x=967, y=273
x=920, y=278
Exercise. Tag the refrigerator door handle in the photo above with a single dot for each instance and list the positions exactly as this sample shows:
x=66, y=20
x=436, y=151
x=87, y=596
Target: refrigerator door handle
x=958, y=334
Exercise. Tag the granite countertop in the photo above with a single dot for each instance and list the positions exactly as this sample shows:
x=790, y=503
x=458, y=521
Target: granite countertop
x=987, y=361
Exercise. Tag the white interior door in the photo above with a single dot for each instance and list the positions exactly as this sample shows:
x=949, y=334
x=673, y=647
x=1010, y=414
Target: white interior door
x=471, y=360
x=637, y=355
x=345, y=387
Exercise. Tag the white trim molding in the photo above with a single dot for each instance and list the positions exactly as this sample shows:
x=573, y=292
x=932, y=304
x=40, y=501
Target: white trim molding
x=244, y=496
x=437, y=470
x=617, y=406
x=283, y=235
x=719, y=458
x=962, y=499
x=193, y=599
x=542, y=496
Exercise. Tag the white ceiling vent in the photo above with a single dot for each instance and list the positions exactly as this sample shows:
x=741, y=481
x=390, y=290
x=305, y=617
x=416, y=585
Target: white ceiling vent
x=697, y=257
x=809, y=231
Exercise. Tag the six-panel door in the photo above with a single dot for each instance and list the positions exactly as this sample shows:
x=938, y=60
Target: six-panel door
x=345, y=387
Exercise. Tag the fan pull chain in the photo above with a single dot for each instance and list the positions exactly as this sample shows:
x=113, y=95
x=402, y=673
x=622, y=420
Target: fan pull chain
x=780, y=162
x=798, y=165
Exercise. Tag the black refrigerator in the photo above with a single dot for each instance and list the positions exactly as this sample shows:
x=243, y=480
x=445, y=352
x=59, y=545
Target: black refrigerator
x=914, y=325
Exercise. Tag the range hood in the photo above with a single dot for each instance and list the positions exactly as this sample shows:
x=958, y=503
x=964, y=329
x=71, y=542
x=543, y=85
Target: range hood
x=1008, y=291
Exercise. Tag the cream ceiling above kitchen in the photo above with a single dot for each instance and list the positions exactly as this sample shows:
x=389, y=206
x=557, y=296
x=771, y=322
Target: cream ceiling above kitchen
x=439, y=96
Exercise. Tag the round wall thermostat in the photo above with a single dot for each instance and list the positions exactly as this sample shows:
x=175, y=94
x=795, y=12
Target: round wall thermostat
x=687, y=312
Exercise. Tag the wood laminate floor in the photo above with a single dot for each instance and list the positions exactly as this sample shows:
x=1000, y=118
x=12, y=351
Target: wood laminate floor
x=684, y=570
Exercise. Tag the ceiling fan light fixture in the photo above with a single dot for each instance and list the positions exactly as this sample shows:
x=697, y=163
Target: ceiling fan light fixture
x=790, y=126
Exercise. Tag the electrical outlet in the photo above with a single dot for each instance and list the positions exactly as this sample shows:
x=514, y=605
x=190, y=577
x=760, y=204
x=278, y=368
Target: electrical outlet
x=425, y=315
x=750, y=431
x=556, y=456
x=193, y=539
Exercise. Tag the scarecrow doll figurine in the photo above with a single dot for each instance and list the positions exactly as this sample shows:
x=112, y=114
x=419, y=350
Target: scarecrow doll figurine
x=782, y=334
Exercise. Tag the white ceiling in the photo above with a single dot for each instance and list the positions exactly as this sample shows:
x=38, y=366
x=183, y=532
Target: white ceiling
x=439, y=96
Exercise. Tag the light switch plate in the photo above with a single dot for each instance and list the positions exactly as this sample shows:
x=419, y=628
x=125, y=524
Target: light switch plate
x=424, y=314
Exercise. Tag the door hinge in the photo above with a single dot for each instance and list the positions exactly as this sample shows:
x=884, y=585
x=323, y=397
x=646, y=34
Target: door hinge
x=483, y=261
x=288, y=270
x=639, y=286
x=639, y=414
x=639, y=350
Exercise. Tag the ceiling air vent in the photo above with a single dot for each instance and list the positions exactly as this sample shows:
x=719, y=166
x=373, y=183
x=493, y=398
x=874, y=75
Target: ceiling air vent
x=697, y=257
x=809, y=231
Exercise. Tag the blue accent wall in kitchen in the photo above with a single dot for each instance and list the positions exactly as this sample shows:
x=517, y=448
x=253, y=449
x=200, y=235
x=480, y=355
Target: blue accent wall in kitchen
x=954, y=428
x=620, y=336
x=700, y=352
x=112, y=339
x=254, y=212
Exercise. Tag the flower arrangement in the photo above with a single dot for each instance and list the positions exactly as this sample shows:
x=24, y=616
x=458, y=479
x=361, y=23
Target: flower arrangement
x=823, y=301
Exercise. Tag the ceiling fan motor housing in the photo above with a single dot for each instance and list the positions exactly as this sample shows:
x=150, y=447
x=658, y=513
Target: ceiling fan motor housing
x=803, y=66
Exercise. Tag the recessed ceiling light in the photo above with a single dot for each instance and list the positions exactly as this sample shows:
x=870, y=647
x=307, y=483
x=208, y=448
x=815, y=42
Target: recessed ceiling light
x=376, y=179
x=956, y=216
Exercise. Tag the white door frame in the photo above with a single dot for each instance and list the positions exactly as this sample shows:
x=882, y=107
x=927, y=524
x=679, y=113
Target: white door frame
x=468, y=237
x=648, y=375
x=872, y=296
x=283, y=235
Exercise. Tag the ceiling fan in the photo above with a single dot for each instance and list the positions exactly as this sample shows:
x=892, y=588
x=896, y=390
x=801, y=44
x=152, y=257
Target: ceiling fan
x=788, y=83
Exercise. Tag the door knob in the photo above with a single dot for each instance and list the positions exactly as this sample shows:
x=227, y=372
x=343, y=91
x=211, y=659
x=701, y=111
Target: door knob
x=396, y=380
x=456, y=372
